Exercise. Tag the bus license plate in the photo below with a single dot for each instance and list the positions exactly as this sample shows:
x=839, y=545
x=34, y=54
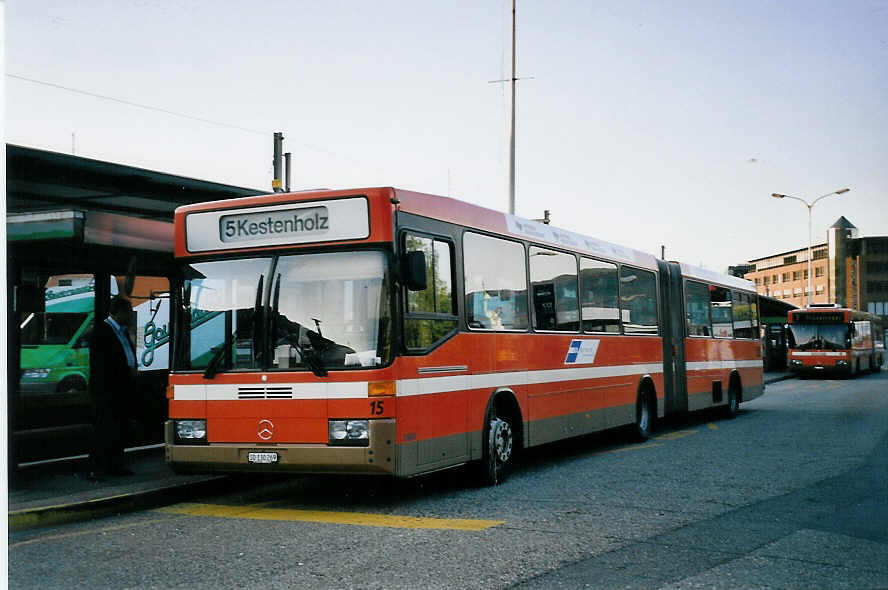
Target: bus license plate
x=262, y=457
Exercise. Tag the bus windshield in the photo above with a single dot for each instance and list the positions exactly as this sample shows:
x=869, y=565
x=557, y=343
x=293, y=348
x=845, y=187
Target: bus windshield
x=296, y=312
x=819, y=336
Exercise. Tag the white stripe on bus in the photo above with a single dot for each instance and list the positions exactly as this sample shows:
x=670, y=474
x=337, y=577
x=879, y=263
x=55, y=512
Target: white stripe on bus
x=427, y=385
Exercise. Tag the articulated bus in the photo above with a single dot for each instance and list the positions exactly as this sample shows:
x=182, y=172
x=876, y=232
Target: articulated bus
x=832, y=339
x=382, y=331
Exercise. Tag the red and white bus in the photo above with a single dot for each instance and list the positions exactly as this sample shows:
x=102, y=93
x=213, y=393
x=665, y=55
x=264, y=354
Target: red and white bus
x=390, y=332
x=833, y=339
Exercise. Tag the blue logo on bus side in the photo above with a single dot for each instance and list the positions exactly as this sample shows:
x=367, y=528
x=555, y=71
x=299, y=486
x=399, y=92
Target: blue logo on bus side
x=581, y=352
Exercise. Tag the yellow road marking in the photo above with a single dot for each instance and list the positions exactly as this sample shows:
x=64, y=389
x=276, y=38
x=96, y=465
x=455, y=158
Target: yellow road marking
x=676, y=435
x=255, y=512
x=712, y=426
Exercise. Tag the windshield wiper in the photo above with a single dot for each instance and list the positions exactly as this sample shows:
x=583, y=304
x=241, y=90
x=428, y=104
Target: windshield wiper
x=309, y=357
x=215, y=364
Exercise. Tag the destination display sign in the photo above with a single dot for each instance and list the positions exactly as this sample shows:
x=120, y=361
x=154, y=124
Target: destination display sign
x=297, y=223
x=821, y=317
x=293, y=223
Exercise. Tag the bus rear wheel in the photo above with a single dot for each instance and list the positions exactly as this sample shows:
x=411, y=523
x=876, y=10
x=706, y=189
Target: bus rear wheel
x=733, y=402
x=644, y=417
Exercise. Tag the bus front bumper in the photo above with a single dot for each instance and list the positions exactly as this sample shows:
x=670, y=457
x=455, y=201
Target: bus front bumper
x=838, y=366
x=376, y=459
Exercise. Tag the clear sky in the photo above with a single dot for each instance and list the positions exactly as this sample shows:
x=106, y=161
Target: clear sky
x=644, y=123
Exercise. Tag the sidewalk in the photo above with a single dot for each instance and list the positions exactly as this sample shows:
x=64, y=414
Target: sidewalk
x=50, y=493
x=56, y=492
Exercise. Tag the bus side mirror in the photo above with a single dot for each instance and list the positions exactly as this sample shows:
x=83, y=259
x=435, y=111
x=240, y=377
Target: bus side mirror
x=415, y=271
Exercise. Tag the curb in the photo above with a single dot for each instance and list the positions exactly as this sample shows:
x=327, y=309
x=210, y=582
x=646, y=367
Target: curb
x=780, y=378
x=29, y=518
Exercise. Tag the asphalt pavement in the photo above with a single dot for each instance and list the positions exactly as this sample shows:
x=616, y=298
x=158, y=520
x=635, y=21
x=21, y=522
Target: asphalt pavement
x=55, y=492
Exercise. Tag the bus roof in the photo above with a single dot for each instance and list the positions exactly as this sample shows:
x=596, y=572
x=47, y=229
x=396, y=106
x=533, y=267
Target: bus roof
x=482, y=218
x=468, y=215
x=695, y=272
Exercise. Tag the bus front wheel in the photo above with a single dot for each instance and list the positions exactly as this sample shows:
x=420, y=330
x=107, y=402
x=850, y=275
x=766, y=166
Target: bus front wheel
x=499, y=450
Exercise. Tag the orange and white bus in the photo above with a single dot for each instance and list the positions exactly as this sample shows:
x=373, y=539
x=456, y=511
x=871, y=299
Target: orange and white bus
x=832, y=339
x=390, y=332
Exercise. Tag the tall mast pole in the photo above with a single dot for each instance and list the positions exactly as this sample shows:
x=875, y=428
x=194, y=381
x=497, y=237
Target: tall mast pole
x=512, y=134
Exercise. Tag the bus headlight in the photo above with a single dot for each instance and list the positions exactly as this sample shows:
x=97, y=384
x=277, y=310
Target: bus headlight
x=354, y=433
x=191, y=431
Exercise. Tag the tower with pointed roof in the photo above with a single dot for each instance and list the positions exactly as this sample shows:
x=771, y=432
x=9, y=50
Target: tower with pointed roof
x=839, y=237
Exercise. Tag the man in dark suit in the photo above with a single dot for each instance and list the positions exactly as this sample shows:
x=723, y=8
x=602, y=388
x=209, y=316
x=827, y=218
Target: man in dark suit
x=113, y=370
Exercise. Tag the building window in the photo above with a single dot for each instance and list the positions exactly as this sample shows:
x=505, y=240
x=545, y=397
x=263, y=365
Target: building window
x=796, y=275
x=774, y=279
x=819, y=289
x=819, y=254
x=767, y=280
x=786, y=276
x=818, y=271
x=758, y=281
x=789, y=259
x=877, y=286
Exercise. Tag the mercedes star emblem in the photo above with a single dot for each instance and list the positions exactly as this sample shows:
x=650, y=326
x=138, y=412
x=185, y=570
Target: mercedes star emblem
x=265, y=429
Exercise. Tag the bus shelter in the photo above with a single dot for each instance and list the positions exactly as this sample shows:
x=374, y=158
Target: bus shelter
x=80, y=231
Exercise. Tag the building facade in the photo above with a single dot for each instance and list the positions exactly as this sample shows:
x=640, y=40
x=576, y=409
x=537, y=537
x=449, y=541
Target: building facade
x=848, y=270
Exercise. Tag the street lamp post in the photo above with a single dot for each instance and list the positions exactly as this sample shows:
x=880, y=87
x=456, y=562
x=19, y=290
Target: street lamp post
x=810, y=206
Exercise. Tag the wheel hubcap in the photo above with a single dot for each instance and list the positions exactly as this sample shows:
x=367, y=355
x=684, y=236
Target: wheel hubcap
x=502, y=440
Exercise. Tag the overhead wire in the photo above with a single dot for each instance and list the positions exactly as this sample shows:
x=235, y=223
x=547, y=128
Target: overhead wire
x=169, y=112
x=138, y=105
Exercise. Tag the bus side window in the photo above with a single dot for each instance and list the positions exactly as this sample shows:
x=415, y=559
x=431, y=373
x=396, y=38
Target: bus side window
x=743, y=324
x=697, y=308
x=722, y=317
x=495, y=283
x=430, y=312
x=553, y=280
x=599, y=296
x=638, y=301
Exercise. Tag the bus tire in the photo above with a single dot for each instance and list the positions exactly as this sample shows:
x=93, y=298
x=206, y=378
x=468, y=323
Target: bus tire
x=644, y=416
x=733, y=405
x=500, y=444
